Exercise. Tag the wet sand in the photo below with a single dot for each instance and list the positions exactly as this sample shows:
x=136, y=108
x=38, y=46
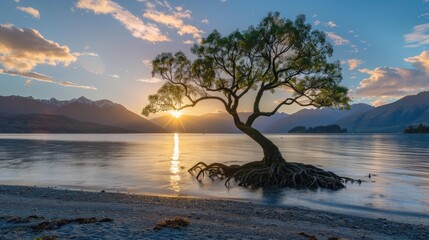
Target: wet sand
x=23, y=208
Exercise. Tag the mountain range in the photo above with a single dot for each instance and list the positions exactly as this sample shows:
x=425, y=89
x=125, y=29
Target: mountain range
x=393, y=117
x=26, y=114
x=315, y=117
x=102, y=112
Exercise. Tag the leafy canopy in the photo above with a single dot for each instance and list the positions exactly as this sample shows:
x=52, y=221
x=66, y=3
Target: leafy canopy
x=278, y=53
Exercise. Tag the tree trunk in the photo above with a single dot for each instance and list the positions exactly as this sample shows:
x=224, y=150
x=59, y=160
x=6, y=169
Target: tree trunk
x=271, y=151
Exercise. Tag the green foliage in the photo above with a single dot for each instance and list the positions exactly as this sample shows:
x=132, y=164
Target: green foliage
x=277, y=53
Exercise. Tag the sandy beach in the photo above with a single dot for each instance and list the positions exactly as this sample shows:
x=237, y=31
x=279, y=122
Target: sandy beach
x=47, y=213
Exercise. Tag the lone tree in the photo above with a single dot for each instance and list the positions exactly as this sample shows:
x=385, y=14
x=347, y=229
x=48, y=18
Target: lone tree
x=276, y=54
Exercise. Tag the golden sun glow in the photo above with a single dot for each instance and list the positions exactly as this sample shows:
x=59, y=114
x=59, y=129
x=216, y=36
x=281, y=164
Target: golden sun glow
x=176, y=114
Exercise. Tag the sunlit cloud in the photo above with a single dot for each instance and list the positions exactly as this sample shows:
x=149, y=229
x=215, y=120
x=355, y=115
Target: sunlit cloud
x=97, y=6
x=205, y=21
x=354, y=63
x=188, y=42
x=379, y=102
x=174, y=19
x=43, y=78
x=393, y=83
x=32, y=11
x=418, y=37
x=138, y=28
x=337, y=39
x=149, y=80
x=23, y=49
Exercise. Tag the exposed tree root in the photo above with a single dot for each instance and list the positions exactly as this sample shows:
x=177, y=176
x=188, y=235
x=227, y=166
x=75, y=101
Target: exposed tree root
x=279, y=174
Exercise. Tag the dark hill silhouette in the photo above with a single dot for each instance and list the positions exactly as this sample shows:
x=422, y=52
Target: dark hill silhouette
x=45, y=123
x=315, y=117
x=393, y=117
x=102, y=112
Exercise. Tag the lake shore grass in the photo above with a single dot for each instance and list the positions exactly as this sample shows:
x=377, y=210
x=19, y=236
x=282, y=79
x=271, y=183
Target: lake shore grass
x=48, y=213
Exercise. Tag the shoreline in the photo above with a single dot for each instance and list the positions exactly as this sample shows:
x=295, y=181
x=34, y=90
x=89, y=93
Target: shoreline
x=134, y=217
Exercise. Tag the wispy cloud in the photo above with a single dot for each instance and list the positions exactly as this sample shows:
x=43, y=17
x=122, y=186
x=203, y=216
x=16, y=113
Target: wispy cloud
x=174, y=19
x=138, y=28
x=149, y=80
x=418, y=37
x=80, y=54
x=317, y=22
x=337, y=39
x=113, y=75
x=22, y=49
x=392, y=83
x=205, y=21
x=43, y=78
x=188, y=42
x=32, y=11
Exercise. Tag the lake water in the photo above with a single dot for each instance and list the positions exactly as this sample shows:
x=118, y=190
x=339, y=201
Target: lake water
x=158, y=164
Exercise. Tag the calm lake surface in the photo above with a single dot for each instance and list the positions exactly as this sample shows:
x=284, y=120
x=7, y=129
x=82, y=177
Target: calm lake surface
x=157, y=164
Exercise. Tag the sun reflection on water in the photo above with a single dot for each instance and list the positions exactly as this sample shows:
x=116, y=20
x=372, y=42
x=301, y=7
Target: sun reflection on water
x=174, y=168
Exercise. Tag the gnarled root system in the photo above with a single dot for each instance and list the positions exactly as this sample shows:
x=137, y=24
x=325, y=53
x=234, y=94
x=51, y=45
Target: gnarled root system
x=278, y=174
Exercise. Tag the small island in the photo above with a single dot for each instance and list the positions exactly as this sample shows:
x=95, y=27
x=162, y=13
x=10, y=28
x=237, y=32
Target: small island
x=417, y=129
x=319, y=129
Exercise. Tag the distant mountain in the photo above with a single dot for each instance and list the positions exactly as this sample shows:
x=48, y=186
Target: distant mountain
x=102, y=112
x=315, y=117
x=45, y=123
x=220, y=122
x=393, y=117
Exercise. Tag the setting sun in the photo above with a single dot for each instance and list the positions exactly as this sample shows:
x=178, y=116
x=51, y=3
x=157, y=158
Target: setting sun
x=176, y=114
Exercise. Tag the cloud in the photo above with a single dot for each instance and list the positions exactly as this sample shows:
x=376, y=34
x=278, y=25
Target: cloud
x=32, y=11
x=354, y=63
x=331, y=24
x=139, y=29
x=188, y=42
x=174, y=19
x=43, y=78
x=205, y=21
x=147, y=62
x=393, y=83
x=338, y=40
x=418, y=37
x=113, y=75
x=149, y=80
x=97, y=6
x=379, y=102
x=317, y=22
x=80, y=54
x=23, y=49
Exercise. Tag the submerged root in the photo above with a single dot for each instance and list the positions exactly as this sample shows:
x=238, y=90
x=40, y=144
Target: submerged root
x=279, y=174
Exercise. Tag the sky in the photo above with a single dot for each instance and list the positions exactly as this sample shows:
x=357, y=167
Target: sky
x=102, y=49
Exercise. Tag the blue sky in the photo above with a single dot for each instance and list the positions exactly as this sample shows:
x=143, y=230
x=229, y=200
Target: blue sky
x=101, y=49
